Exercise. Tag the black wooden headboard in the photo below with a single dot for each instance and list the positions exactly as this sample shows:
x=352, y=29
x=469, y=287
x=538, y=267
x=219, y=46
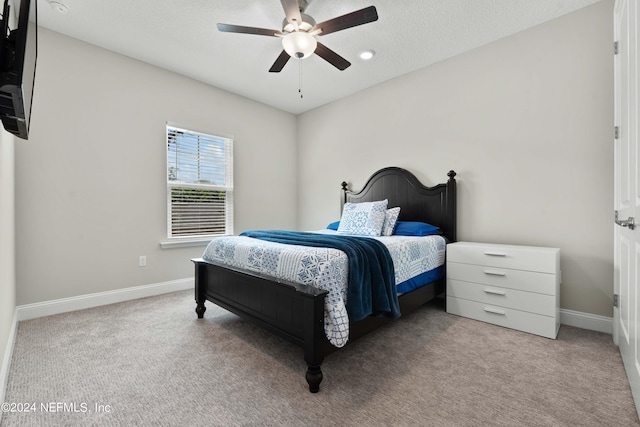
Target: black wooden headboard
x=434, y=205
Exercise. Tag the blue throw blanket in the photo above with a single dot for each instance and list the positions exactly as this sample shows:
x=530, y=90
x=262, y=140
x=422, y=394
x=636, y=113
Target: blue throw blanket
x=371, y=289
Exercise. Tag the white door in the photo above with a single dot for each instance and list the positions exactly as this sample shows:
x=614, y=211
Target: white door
x=626, y=331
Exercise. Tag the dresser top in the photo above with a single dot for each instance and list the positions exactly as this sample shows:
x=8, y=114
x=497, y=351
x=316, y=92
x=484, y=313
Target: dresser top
x=497, y=246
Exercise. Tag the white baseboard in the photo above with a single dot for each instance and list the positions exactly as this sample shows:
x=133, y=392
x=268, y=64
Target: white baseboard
x=6, y=360
x=578, y=319
x=592, y=322
x=64, y=305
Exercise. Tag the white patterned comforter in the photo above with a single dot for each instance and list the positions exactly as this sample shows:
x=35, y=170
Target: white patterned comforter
x=324, y=268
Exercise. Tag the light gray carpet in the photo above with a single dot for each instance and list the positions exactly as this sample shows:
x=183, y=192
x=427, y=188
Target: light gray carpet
x=154, y=363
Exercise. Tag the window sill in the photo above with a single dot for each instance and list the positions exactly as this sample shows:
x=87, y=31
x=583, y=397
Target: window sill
x=184, y=243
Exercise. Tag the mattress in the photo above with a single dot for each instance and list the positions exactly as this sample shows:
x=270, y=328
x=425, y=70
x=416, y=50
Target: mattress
x=416, y=261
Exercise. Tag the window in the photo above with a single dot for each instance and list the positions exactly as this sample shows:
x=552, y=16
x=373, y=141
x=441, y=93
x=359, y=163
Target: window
x=199, y=184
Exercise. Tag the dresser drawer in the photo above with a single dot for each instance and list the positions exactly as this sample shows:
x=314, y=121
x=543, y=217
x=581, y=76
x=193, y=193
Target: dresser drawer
x=521, y=320
x=530, y=258
x=503, y=297
x=542, y=283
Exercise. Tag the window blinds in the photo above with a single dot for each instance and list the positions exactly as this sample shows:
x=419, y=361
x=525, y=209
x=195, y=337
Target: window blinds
x=199, y=184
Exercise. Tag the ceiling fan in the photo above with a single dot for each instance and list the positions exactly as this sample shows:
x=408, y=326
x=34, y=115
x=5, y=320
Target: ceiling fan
x=299, y=32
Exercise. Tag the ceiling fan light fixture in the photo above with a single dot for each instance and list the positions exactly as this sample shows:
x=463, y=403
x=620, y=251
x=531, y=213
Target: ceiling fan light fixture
x=299, y=44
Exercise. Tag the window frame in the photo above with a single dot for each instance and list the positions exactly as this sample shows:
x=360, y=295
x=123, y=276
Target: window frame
x=199, y=239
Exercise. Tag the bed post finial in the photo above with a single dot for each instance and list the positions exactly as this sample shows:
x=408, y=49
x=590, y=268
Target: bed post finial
x=451, y=206
x=343, y=199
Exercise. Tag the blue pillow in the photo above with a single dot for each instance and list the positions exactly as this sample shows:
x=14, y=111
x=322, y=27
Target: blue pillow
x=413, y=228
x=333, y=225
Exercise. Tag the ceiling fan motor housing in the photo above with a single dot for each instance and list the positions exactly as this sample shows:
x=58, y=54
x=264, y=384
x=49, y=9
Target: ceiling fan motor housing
x=306, y=25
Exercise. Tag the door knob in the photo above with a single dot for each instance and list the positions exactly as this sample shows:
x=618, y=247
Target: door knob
x=625, y=222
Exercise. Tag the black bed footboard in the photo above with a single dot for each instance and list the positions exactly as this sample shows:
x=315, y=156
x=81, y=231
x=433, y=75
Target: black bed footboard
x=292, y=311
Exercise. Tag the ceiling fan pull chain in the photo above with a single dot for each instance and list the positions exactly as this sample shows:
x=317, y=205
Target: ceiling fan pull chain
x=300, y=77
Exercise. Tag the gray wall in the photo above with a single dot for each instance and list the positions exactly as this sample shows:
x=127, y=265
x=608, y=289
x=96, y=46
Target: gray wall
x=7, y=244
x=525, y=121
x=91, y=180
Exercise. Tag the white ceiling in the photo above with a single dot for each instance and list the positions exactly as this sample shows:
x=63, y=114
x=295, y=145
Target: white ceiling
x=181, y=36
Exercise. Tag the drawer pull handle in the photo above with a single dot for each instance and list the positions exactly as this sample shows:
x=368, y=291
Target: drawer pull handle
x=495, y=273
x=495, y=292
x=494, y=311
x=495, y=253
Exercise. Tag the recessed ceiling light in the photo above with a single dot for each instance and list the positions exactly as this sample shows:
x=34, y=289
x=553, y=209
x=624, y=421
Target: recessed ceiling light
x=59, y=7
x=367, y=54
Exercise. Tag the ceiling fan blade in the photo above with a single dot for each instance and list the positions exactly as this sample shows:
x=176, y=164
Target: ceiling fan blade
x=228, y=28
x=280, y=62
x=292, y=11
x=353, y=19
x=331, y=57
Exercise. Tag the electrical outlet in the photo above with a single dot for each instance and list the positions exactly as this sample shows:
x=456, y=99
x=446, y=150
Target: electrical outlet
x=142, y=261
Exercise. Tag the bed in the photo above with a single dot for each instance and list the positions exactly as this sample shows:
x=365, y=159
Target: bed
x=296, y=311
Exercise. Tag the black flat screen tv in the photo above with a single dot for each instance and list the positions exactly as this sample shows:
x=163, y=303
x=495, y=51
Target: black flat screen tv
x=18, y=53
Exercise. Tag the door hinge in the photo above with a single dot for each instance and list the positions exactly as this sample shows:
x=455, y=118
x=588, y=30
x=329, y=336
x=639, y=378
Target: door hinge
x=615, y=48
x=616, y=300
x=616, y=132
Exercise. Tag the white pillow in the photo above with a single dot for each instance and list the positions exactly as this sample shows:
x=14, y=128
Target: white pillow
x=390, y=219
x=363, y=219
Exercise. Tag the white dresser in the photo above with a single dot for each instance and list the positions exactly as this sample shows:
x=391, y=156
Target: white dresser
x=516, y=287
